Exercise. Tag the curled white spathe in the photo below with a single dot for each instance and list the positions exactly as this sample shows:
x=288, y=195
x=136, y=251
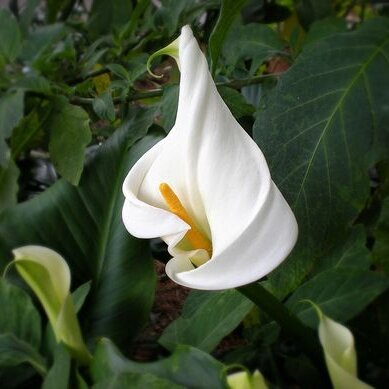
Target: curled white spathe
x=222, y=179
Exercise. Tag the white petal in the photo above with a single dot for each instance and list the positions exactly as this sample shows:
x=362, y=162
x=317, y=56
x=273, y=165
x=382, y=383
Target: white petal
x=142, y=219
x=222, y=179
x=340, y=355
x=52, y=262
x=258, y=250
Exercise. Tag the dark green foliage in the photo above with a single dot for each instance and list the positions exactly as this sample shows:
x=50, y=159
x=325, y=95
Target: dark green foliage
x=313, y=77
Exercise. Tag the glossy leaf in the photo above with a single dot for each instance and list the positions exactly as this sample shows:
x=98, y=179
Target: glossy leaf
x=20, y=329
x=29, y=133
x=255, y=42
x=185, y=366
x=8, y=185
x=341, y=293
x=70, y=134
x=324, y=28
x=18, y=315
x=11, y=111
x=207, y=317
x=320, y=130
x=103, y=106
x=84, y=225
x=228, y=12
x=41, y=39
x=59, y=374
x=136, y=381
x=11, y=40
x=169, y=103
x=107, y=16
x=310, y=10
x=236, y=102
x=381, y=245
x=80, y=294
x=14, y=352
x=352, y=253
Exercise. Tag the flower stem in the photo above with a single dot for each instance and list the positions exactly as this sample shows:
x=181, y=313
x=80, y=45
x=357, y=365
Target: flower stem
x=304, y=336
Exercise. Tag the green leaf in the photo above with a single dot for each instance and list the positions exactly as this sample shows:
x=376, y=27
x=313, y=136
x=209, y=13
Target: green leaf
x=320, y=129
x=236, y=102
x=11, y=40
x=310, y=10
x=351, y=253
x=228, y=11
x=8, y=185
x=185, y=366
x=103, y=106
x=14, y=352
x=37, y=84
x=119, y=71
x=84, y=225
x=381, y=234
x=29, y=133
x=18, y=314
x=80, y=294
x=206, y=319
x=70, y=134
x=27, y=14
x=11, y=111
x=255, y=42
x=20, y=329
x=172, y=14
x=324, y=28
x=53, y=8
x=40, y=39
x=341, y=293
x=59, y=374
x=136, y=381
x=106, y=16
x=169, y=104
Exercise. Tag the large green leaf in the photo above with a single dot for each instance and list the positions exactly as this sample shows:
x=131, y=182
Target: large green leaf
x=341, y=293
x=84, y=225
x=11, y=111
x=207, y=317
x=8, y=185
x=14, y=352
x=69, y=135
x=40, y=39
x=20, y=329
x=320, y=130
x=109, y=15
x=136, y=381
x=351, y=253
x=187, y=366
x=18, y=314
x=255, y=42
x=59, y=374
x=228, y=11
x=381, y=233
x=11, y=41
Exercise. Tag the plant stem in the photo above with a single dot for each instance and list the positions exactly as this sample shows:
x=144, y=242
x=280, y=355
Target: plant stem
x=93, y=74
x=304, y=336
x=235, y=84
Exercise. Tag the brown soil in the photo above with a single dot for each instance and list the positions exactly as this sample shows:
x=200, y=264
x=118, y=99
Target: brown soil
x=169, y=299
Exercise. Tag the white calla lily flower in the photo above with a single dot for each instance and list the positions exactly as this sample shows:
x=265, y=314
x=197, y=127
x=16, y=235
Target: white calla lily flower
x=206, y=190
x=48, y=275
x=340, y=355
x=245, y=380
